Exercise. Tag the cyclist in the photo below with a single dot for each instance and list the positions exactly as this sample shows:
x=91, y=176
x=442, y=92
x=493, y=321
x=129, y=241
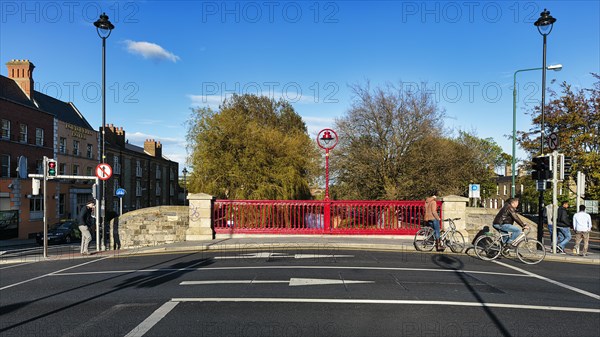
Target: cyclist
x=505, y=219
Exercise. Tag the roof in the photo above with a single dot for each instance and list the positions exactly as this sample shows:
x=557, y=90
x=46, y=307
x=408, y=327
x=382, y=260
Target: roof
x=63, y=111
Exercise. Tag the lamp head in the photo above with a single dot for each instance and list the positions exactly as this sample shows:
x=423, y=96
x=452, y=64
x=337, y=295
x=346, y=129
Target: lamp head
x=555, y=67
x=545, y=22
x=103, y=26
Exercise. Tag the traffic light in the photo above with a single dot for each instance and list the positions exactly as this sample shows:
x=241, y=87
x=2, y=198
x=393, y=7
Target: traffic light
x=541, y=168
x=51, y=170
x=567, y=166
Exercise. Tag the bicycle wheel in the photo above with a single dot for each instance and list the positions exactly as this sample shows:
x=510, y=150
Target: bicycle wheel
x=456, y=242
x=424, y=240
x=531, y=251
x=487, y=248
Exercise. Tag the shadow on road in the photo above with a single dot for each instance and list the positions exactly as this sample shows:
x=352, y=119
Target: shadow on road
x=452, y=263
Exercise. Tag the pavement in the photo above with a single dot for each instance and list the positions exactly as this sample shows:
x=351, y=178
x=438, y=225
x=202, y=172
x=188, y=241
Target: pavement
x=252, y=244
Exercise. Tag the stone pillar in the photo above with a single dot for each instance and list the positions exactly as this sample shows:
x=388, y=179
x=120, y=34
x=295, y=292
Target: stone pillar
x=455, y=206
x=201, y=222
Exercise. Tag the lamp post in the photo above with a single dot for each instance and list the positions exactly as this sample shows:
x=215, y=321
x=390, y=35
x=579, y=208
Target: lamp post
x=185, y=172
x=327, y=139
x=103, y=27
x=544, y=24
x=556, y=67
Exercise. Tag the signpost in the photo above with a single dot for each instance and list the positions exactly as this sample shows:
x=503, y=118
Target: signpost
x=120, y=193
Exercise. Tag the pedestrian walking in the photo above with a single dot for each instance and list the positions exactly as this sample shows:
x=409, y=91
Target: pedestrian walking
x=582, y=225
x=432, y=218
x=85, y=222
x=563, y=228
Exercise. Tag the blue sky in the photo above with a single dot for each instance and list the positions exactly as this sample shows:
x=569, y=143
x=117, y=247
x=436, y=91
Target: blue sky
x=165, y=57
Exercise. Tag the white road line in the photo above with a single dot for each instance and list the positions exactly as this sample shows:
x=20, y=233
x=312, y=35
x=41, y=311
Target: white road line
x=560, y=284
x=52, y=273
x=394, y=302
x=191, y=283
x=293, y=282
x=151, y=321
x=16, y=265
x=291, y=267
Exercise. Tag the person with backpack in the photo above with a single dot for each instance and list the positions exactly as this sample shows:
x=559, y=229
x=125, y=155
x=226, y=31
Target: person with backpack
x=563, y=228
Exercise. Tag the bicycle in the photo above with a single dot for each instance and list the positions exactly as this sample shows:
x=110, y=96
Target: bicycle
x=424, y=240
x=489, y=246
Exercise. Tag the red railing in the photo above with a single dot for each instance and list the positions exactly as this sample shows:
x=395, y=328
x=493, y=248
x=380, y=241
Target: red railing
x=318, y=217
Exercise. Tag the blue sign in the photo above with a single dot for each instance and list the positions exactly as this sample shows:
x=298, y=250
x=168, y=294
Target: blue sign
x=120, y=192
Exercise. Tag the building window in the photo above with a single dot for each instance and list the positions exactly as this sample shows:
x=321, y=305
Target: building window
x=62, y=169
x=116, y=165
x=138, y=203
x=76, y=148
x=61, y=204
x=115, y=185
x=171, y=189
x=116, y=206
x=158, y=171
x=89, y=171
x=4, y=165
x=5, y=129
x=23, y=133
x=157, y=201
x=138, y=168
x=62, y=145
x=504, y=189
x=75, y=169
x=90, y=151
x=36, y=207
x=158, y=189
x=39, y=137
x=39, y=166
x=138, y=188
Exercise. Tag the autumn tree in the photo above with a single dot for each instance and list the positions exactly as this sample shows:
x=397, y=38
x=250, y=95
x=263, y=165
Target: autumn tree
x=375, y=135
x=251, y=148
x=575, y=117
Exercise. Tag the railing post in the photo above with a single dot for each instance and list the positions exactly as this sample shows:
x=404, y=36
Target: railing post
x=327, y=217
x=201, y=220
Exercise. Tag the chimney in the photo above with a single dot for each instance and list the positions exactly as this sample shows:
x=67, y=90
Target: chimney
x=153, y=148
x=21, y=71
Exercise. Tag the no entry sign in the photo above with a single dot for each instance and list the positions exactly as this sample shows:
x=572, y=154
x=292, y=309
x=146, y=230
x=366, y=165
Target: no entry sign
x=103, y=171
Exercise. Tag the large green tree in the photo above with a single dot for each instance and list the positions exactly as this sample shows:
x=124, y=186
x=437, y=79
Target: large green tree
x=251, y=148
x=574, y=116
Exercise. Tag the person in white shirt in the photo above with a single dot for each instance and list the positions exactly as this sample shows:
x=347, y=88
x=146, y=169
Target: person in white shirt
x=582, y=224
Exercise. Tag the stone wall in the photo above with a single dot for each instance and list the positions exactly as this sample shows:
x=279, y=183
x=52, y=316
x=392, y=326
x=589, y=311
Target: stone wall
x=477, y=218
x=151, y=226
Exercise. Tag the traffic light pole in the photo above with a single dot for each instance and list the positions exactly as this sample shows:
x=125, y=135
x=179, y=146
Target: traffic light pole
x=45, y=169
x=554, y=198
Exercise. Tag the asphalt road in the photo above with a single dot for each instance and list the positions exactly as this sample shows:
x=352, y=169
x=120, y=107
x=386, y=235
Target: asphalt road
x=298, y=293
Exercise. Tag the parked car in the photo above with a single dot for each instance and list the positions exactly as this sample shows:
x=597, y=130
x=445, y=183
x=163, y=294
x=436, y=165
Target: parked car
x=62, y=232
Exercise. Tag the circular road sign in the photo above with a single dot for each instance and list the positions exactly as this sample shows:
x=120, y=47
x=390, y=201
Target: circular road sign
x=327, y=139
x=103, y=171
x=120, y=192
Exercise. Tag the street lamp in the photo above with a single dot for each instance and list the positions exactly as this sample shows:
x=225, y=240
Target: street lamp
x=327, y=139
x=555, y=67
x=103, y=27
x=544, y=24
x=185, y=172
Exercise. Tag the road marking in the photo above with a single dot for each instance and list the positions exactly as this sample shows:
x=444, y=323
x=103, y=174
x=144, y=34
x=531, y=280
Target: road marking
x=289, y=267
x=560, y=284
x=293, y=282
x=151, y=321
x=16, y=265
x=100, y=319
x=52, y=273
x=268, y=255
x=395, y=302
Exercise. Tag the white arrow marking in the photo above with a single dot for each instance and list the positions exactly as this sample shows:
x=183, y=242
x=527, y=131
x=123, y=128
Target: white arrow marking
x=314, y=256
x=270, y=255
x=293, y=282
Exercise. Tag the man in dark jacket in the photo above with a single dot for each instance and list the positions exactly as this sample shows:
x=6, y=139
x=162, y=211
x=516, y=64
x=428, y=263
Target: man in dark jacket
x=505, y=219
x=563, y=228
x=85, y=222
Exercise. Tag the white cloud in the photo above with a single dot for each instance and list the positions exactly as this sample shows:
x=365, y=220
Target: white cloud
x=150, y=50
